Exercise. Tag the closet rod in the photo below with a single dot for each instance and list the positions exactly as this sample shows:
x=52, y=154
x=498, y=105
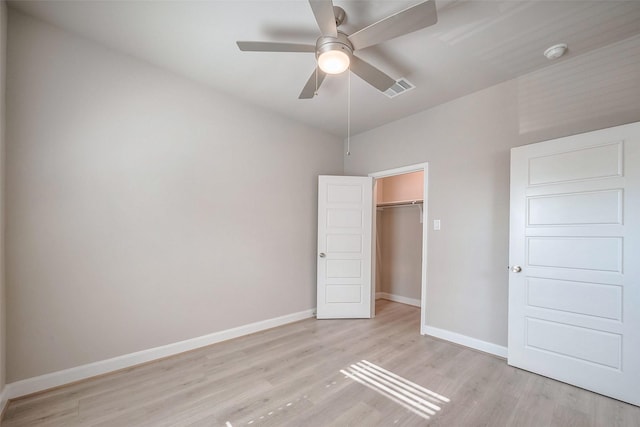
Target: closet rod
x=398, y=204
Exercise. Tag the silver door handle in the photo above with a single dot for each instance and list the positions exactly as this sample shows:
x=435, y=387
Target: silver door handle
x=516, y=269
x=322, y=255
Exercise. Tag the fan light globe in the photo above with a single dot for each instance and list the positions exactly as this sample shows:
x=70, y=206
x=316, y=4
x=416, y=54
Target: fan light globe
x=333, y=61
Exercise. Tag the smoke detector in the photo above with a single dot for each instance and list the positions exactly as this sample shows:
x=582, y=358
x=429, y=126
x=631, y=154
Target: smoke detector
x=556, y=51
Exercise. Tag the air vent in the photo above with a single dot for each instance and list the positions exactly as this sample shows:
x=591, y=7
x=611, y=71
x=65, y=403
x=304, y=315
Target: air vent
x=401, y=86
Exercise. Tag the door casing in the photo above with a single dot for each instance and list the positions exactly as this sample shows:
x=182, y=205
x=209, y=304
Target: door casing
x=425, y=228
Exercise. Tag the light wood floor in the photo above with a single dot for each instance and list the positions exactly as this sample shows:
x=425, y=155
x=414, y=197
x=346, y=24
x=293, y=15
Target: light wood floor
x=291, y=376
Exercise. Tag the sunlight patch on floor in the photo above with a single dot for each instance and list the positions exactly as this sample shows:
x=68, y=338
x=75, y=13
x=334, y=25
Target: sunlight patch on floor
x=412, y=396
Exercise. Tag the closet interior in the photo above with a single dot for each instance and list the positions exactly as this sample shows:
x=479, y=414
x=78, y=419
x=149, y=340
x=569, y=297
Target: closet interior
x=399, y=221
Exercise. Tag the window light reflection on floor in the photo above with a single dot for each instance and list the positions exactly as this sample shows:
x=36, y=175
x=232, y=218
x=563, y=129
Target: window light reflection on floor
x=413, y=397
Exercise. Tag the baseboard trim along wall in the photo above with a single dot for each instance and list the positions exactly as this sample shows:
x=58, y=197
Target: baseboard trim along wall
x=56, y=379
x=466, y=341
x=4, y=399
x=397, y=298
x=71, y=375
x=454, y=337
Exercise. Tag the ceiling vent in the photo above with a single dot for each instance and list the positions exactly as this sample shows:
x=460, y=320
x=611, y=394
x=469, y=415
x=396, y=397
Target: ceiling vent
x=401, y=86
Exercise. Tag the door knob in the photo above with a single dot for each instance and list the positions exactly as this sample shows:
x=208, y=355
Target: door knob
x=322, y=255
x=516, y=269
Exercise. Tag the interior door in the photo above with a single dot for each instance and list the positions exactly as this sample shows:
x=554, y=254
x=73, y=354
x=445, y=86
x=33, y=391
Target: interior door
x=574, y=286
x=344, y=247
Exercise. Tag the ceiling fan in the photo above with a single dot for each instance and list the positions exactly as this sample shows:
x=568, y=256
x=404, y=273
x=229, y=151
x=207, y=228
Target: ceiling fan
x=334, y=49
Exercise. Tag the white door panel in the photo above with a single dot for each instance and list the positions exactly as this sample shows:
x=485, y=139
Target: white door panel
x=575, y=231
x=599, y=300
x=577, y=164
x=594, y=207
x=574, y=342
x=584, y=253
x=344, y=247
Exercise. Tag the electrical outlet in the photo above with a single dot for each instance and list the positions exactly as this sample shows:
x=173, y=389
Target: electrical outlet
x=436, y=224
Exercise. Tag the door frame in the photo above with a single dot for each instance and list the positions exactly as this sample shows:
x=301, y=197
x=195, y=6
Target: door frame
x=425, y=228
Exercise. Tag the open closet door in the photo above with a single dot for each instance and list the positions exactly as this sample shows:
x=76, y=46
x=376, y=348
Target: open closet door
x=344, y=247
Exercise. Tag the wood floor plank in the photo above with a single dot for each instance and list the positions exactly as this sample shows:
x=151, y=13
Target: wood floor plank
x=365, y=372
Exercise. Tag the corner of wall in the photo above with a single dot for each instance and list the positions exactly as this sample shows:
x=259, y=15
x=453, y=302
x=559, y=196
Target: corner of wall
x=3, y=55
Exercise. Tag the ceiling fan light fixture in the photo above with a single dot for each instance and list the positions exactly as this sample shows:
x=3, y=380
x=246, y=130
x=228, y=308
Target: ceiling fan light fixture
x=334, y=61
x=334, y=53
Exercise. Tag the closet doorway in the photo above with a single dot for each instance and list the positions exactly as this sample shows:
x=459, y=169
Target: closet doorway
x=400, y=236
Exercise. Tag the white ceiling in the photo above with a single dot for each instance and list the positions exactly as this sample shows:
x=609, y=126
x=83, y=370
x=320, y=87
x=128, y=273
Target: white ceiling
x=474, y=45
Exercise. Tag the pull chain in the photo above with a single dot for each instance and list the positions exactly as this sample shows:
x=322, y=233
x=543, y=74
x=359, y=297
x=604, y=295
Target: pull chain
x=349, y=113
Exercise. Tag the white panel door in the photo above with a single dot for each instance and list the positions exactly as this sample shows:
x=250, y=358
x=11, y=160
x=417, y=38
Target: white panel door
x=574, y=285
x=344, y=247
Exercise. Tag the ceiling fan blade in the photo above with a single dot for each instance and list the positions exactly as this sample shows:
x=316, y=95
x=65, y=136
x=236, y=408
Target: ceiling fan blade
x=371, y=74
x=405, y=22
x=275, y=47
x=291, y=33
x=309, y=89
x=325, y=17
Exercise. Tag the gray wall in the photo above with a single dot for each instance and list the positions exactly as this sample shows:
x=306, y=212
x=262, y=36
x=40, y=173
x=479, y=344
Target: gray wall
x=401, y=251
x=145, y=209
x=467, y=143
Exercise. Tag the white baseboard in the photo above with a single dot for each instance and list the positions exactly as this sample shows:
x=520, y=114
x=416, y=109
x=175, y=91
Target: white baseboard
x=397, y=298
x=455, y=337
x=4, y=399
x=56, y=379
x=466, y=341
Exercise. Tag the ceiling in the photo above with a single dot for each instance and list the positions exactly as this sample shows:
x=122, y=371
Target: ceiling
x=474, y=45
